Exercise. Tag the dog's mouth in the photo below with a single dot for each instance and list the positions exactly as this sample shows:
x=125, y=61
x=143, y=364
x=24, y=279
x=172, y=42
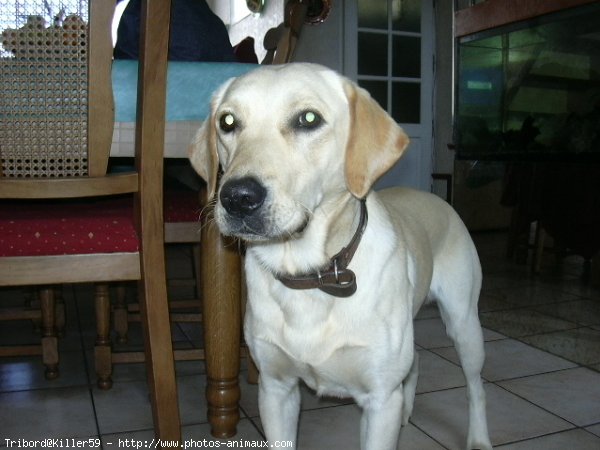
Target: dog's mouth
x=262, y=229
x=302, y=226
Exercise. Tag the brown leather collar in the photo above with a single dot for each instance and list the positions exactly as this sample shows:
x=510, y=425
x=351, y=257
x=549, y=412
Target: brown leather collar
x=335, y=279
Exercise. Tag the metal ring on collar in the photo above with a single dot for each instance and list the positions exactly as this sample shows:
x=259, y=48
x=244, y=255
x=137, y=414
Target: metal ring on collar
x=335, y=271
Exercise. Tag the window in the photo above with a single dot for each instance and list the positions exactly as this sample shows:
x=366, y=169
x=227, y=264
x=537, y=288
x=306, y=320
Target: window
x=389, y=55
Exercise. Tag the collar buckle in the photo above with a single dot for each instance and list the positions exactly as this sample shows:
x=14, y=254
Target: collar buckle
x=342, y=284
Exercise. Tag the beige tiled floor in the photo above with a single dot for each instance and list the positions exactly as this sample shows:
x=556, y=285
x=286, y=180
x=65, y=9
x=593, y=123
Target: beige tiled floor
x=542, y=373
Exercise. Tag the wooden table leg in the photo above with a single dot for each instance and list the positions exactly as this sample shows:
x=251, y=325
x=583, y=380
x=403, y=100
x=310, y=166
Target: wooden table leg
x=220, y=267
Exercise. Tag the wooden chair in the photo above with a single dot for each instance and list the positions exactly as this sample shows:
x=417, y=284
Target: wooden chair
x=55, y=137
x=181, y=220
x=181, y=226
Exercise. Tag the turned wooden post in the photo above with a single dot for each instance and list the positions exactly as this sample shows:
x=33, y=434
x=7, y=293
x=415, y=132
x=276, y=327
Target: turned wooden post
x=49, y=339
x=120, y=314
x=221, y=268
x=102, y=349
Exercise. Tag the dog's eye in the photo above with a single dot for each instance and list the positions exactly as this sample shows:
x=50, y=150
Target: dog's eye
x=308, y=119
x=227, y=122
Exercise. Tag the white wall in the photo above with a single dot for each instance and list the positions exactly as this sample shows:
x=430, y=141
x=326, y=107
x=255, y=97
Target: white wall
x=323, y=43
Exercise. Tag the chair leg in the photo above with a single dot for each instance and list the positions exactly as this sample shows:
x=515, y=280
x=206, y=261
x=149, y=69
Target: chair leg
x=222, y=328
x=253, y=375
x=196, y=267
x=49, y=339
x=32, y=302
x=61, y=315
x=120, y=314
x=102, y=350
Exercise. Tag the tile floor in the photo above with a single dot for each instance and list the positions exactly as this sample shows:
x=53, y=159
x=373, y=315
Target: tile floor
x=542, y=373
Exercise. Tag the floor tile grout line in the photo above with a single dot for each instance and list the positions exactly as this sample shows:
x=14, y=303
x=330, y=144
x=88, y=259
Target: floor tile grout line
x=579, y=363
x=253, y=423
x=531, y=308
x=542, y=333
x=537, y=406
x=534, y=438
x=548, y=372
x=427, y=434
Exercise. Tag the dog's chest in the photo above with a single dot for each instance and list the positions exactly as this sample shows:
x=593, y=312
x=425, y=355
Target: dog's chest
x=316, y=337
x=328, y=349
x=333, y=371
x=342, y=375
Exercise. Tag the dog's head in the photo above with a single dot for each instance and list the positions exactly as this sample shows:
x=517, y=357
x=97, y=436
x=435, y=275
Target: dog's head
x=289, y=137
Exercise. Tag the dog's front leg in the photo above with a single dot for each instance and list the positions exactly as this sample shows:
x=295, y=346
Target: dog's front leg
x=380, y=422
x=279, y=405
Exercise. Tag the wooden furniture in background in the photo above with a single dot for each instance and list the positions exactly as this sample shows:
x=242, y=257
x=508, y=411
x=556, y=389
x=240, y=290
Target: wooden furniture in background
x=58, y=135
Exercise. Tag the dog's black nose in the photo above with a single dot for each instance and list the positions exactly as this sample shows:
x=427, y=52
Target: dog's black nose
x=243, y=196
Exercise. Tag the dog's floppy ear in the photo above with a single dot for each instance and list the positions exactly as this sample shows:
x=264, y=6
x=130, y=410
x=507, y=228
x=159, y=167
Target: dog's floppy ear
x=203, y=148
x=203, y=155
x=375, y=141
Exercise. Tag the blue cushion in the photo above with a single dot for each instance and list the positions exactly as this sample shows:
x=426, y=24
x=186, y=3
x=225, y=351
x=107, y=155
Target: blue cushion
x=190, y=86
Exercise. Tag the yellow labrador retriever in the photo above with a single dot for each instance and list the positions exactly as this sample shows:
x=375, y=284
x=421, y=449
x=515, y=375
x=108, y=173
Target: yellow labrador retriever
x=335, y=272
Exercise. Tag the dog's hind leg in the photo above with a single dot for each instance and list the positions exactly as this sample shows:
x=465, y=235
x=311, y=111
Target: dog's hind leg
x=468, y=340
x=410, y=387
x=464, y=329
x=457, y=292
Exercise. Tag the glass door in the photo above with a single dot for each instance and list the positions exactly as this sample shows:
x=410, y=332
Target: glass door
x=389, y=52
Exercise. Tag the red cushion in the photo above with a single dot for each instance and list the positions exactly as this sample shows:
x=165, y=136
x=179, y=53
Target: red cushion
x=69, y=227
x=35, y=228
